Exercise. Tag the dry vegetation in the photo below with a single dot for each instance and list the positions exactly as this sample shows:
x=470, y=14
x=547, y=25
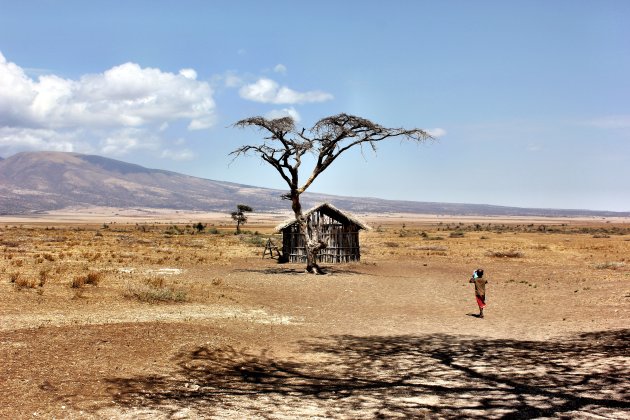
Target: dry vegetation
x=121, y=260
x=164, y=320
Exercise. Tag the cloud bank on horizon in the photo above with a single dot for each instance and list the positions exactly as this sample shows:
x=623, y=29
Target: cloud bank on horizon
x=125, y=108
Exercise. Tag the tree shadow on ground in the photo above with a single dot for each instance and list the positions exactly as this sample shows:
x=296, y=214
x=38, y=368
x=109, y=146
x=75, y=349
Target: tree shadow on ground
x=296, y=271
x=434, y=375
x=272, y=270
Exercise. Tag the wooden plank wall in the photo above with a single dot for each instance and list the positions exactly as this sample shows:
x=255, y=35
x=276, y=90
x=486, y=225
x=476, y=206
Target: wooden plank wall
x=342, y=241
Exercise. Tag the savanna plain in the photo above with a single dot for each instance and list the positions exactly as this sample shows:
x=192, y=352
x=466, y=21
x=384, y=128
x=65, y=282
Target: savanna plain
x=161, y=319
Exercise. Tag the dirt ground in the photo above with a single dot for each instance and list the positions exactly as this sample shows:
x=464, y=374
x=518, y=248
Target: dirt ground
x=167, y=322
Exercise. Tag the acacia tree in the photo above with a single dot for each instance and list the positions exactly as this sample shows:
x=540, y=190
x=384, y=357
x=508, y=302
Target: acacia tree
x=283, y=147
x=239, y=216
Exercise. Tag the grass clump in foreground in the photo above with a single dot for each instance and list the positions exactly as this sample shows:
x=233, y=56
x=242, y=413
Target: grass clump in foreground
x=153, y=290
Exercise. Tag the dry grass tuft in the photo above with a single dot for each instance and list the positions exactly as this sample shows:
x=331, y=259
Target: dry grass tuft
x=610, y=265
x=22, y=282
x=93, y=278
x=505, y=254
x=14, y=277
x=78, y=282
x=431, y=248
x=43, y=277
x=541, y=247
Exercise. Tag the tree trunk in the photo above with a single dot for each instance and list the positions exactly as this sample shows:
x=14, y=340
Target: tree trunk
x=312, y=244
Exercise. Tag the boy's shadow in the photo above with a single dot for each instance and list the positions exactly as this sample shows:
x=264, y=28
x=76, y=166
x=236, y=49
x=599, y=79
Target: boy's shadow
x=474, y=315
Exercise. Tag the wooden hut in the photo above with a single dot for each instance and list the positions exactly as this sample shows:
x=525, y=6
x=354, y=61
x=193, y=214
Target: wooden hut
x=339, y=230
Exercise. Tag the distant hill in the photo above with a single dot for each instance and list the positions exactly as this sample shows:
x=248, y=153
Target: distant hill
x=41, y=181
x=33, y=182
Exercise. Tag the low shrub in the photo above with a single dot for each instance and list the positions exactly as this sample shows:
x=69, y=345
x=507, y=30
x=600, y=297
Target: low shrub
x=153, y=290
x=254, y=240
x=174, y=230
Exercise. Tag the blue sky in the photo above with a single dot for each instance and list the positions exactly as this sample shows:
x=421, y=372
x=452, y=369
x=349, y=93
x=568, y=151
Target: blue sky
x=529, y=100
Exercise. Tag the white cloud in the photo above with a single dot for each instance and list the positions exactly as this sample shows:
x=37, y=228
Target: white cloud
x=201, y=123
x=122, y=110
x=13, y=140
x=184, y=154
x=437, y=132
x=128, y=140
x=189, y=74
x=123, y=96
x=264, y=90
x=285, y=112
x=268, y=91
x=280, y=68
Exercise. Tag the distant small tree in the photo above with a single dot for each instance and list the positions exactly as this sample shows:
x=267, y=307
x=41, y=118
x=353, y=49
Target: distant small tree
x=199, y=227
x=240, y=217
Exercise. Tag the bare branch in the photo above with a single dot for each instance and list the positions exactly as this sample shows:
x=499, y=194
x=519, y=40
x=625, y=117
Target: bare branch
x=331, y=133
x=285, y=124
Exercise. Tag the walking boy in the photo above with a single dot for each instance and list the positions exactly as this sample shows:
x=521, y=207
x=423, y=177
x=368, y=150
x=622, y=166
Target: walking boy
x=480, y=289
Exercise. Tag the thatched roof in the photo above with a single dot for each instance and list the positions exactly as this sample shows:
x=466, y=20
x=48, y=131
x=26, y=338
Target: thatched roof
x=329, y=210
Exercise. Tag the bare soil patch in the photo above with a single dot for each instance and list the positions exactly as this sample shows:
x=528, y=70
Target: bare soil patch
x=236, y=336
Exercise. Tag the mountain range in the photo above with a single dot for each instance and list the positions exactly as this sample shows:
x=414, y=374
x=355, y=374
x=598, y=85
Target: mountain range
x=35, y=182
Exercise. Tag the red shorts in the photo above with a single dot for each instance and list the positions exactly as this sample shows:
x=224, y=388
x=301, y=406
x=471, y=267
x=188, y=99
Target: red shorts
x=481, y=301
